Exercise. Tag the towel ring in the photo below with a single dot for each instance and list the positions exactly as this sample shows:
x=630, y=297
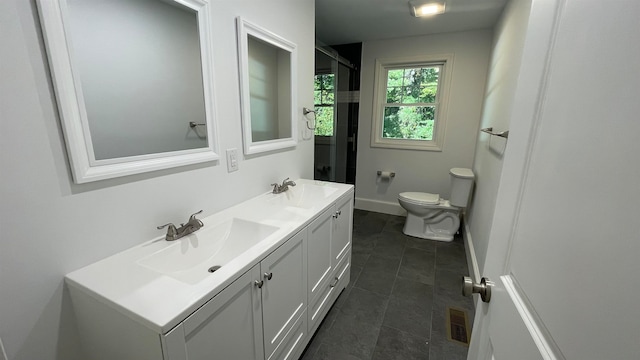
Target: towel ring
x=307, y=111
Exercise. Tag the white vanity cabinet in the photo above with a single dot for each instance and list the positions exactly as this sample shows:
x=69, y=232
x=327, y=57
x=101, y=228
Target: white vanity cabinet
x=262, y=303
x=255, y=317
x=329, y=258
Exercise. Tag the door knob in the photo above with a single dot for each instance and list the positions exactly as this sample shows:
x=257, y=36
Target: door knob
x=484, y=288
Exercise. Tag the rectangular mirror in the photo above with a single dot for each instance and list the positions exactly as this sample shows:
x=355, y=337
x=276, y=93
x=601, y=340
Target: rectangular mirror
x=268, y=89
x=133, y=82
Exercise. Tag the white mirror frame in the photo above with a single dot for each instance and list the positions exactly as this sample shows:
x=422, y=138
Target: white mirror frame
x=244, y=30
x=67, y=85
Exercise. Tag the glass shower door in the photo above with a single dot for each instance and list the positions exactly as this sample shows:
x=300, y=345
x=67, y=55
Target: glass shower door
x=325, y=107
x=334, y=142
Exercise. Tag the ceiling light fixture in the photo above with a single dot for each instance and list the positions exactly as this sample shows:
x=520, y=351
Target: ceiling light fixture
x=420, y=9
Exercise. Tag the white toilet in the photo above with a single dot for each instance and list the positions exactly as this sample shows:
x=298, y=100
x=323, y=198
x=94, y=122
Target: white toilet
x=434, y=218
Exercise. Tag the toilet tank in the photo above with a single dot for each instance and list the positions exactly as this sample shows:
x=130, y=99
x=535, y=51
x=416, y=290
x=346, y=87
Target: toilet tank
x=461, y=185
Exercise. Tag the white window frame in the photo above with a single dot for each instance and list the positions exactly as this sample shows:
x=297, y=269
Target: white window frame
x=382, y=67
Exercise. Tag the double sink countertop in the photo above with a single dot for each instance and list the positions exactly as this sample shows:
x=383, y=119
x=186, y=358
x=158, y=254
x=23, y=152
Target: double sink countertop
x=159, y=283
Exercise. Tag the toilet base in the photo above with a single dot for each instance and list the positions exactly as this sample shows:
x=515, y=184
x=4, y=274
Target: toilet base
x=442, y=230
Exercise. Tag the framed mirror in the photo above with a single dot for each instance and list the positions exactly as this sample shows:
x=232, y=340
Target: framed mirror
x=133, y=83
x=268, y=85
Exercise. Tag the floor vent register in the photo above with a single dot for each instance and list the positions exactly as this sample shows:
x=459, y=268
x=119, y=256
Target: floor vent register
x=457, y=326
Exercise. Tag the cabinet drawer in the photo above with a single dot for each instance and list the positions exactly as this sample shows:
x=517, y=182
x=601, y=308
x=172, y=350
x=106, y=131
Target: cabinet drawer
x=343, y=273
x=294, y=341
x=319, y=308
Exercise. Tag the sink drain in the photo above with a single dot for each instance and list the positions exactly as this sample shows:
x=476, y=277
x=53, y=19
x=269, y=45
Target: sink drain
x=214, y=268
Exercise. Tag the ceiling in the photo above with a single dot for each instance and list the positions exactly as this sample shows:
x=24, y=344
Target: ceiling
x=351, y=21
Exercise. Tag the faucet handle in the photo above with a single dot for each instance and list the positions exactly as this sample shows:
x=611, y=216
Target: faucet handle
x=193, y=216
x=197, y=222
x=170, y=225
x=284, y=181
x=172, y=232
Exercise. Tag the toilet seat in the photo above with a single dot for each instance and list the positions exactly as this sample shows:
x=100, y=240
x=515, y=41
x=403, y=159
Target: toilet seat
x=420, y=198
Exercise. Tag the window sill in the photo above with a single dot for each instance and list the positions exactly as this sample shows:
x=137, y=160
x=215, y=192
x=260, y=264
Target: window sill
x=407, y=145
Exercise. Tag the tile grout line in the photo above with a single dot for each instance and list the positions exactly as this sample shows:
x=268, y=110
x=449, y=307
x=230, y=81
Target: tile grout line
x=386, y=307
x=433, y=296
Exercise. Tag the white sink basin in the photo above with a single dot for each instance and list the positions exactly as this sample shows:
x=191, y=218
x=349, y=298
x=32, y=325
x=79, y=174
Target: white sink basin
x=303, y=196
x=190, y=258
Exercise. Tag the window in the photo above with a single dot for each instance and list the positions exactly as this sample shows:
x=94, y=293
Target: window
x=409, y=103
x=324, y=100
x=409, y=110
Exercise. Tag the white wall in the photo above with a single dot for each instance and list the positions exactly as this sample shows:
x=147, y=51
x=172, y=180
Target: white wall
x=422, y=170
x=50, y=226
x=508, y=43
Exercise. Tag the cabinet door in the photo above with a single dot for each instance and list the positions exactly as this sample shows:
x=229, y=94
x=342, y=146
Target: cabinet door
x=284, y=294
x=319, y=263
x=343, y=225
x=229, y=326
x=294, y=341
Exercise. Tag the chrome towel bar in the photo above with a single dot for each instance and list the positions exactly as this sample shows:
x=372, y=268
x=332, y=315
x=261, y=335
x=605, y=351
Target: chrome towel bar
x=489, y=130
x=193, y=124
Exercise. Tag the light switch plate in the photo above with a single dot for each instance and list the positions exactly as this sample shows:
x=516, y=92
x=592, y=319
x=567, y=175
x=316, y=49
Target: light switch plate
x=232, y=160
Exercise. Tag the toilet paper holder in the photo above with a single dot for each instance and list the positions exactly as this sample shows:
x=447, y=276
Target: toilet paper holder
x=390, y=174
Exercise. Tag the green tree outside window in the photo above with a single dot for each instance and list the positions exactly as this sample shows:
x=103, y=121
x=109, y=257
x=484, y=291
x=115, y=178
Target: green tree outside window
x=324, y=100
x=411, y=101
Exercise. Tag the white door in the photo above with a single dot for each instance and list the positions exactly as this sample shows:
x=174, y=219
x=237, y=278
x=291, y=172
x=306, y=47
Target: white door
x=565, y=241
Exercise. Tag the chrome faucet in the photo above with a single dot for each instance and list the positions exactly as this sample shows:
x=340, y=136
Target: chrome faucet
x=191, y=226
x=277, y=189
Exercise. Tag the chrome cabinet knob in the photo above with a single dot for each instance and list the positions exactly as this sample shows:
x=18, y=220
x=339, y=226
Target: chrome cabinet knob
x=258, y=283
x=484, y=288
x=268, y=276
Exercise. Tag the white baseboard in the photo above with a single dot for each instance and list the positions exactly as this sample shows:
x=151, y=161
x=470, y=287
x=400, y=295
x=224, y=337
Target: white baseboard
x=472, y=260
x=380, y=206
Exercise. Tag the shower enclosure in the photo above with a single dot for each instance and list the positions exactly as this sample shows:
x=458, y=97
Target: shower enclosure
x=336, y=99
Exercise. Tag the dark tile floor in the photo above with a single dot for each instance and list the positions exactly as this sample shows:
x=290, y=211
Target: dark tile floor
x=394, y=306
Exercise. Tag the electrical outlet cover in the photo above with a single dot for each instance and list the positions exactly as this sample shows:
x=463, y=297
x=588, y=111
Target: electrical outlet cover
x=232, y=160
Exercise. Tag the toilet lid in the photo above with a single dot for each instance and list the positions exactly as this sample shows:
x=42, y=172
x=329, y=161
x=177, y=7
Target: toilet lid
x=421, y=197
x=462, y=173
